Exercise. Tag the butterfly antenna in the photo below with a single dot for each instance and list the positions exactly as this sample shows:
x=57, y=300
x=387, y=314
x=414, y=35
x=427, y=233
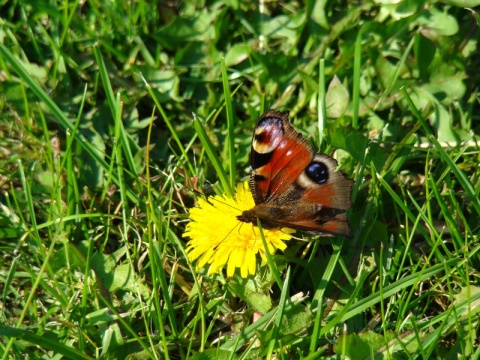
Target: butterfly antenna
x=224, y=203
x=216, y=246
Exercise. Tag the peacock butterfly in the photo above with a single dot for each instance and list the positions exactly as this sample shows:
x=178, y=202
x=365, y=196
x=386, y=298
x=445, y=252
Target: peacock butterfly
x=293, y=186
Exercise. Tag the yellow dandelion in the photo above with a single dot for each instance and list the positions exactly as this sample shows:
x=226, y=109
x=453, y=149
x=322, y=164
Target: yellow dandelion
x=218, y=238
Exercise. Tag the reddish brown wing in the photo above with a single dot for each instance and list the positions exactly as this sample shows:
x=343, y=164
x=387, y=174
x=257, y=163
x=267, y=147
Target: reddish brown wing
x=292, y=186
x=316, y=201
x=278, y=156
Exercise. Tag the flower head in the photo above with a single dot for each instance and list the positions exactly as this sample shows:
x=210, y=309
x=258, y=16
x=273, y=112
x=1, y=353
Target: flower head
x=218, y=238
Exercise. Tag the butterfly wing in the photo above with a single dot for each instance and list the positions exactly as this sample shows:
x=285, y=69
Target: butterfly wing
x=292, y=186
x=278, y=156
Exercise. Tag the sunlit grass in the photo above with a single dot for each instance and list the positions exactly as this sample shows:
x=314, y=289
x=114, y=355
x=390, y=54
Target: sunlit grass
x=117, y=117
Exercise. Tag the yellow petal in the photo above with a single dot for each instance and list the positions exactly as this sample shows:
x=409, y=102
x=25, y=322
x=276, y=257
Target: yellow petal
x=218, y=238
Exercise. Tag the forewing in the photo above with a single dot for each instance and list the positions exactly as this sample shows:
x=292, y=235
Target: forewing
x=279, y=155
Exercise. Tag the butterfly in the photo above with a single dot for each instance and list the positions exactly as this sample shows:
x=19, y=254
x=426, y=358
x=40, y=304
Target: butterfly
x=293, y=186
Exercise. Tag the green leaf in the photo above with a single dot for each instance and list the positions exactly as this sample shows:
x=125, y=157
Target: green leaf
x=385, y=72
x=468, y=301
x=285, y=28
x=318, y=14
x=183, y=29
x=440, y=118
x=249, y=332
x=439, y=23
x=114, y=276
x=424, y=51
x=254, y=294
x=237, y=54
x=365, y=344
x=165, y=82
x=215, y=354
x=445, y=86
x=295, y=322
x=336, y=99
x=351, y=141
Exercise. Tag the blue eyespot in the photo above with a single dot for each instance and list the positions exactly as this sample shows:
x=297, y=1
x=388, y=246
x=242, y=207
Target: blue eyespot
x=317, y=172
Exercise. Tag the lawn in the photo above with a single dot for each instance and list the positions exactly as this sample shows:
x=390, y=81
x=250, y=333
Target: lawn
x=125, y=139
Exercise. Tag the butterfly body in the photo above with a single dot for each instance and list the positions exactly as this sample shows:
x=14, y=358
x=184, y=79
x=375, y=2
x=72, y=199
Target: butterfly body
x=293, y=186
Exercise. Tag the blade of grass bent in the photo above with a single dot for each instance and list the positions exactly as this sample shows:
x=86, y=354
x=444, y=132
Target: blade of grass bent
x=230, y=125
x=388, y=290
x=44, y=342
x=271, y=263
x=466, y=184
x=245, y=335
x=279, y=315
x=212, y=155
x=357, y=64
x=107, y=85
x=157, y=271
x=39, y=275
x=319, y=294
x=59, y=114
x=169, y=125
x=401, y=204
x=399, y=66
x=116, y=106
x=322, y=107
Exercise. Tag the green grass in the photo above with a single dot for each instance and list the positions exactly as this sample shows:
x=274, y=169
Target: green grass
x=117, y=116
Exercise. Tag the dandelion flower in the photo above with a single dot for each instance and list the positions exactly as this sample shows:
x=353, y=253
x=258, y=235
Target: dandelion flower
x=218, y=238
